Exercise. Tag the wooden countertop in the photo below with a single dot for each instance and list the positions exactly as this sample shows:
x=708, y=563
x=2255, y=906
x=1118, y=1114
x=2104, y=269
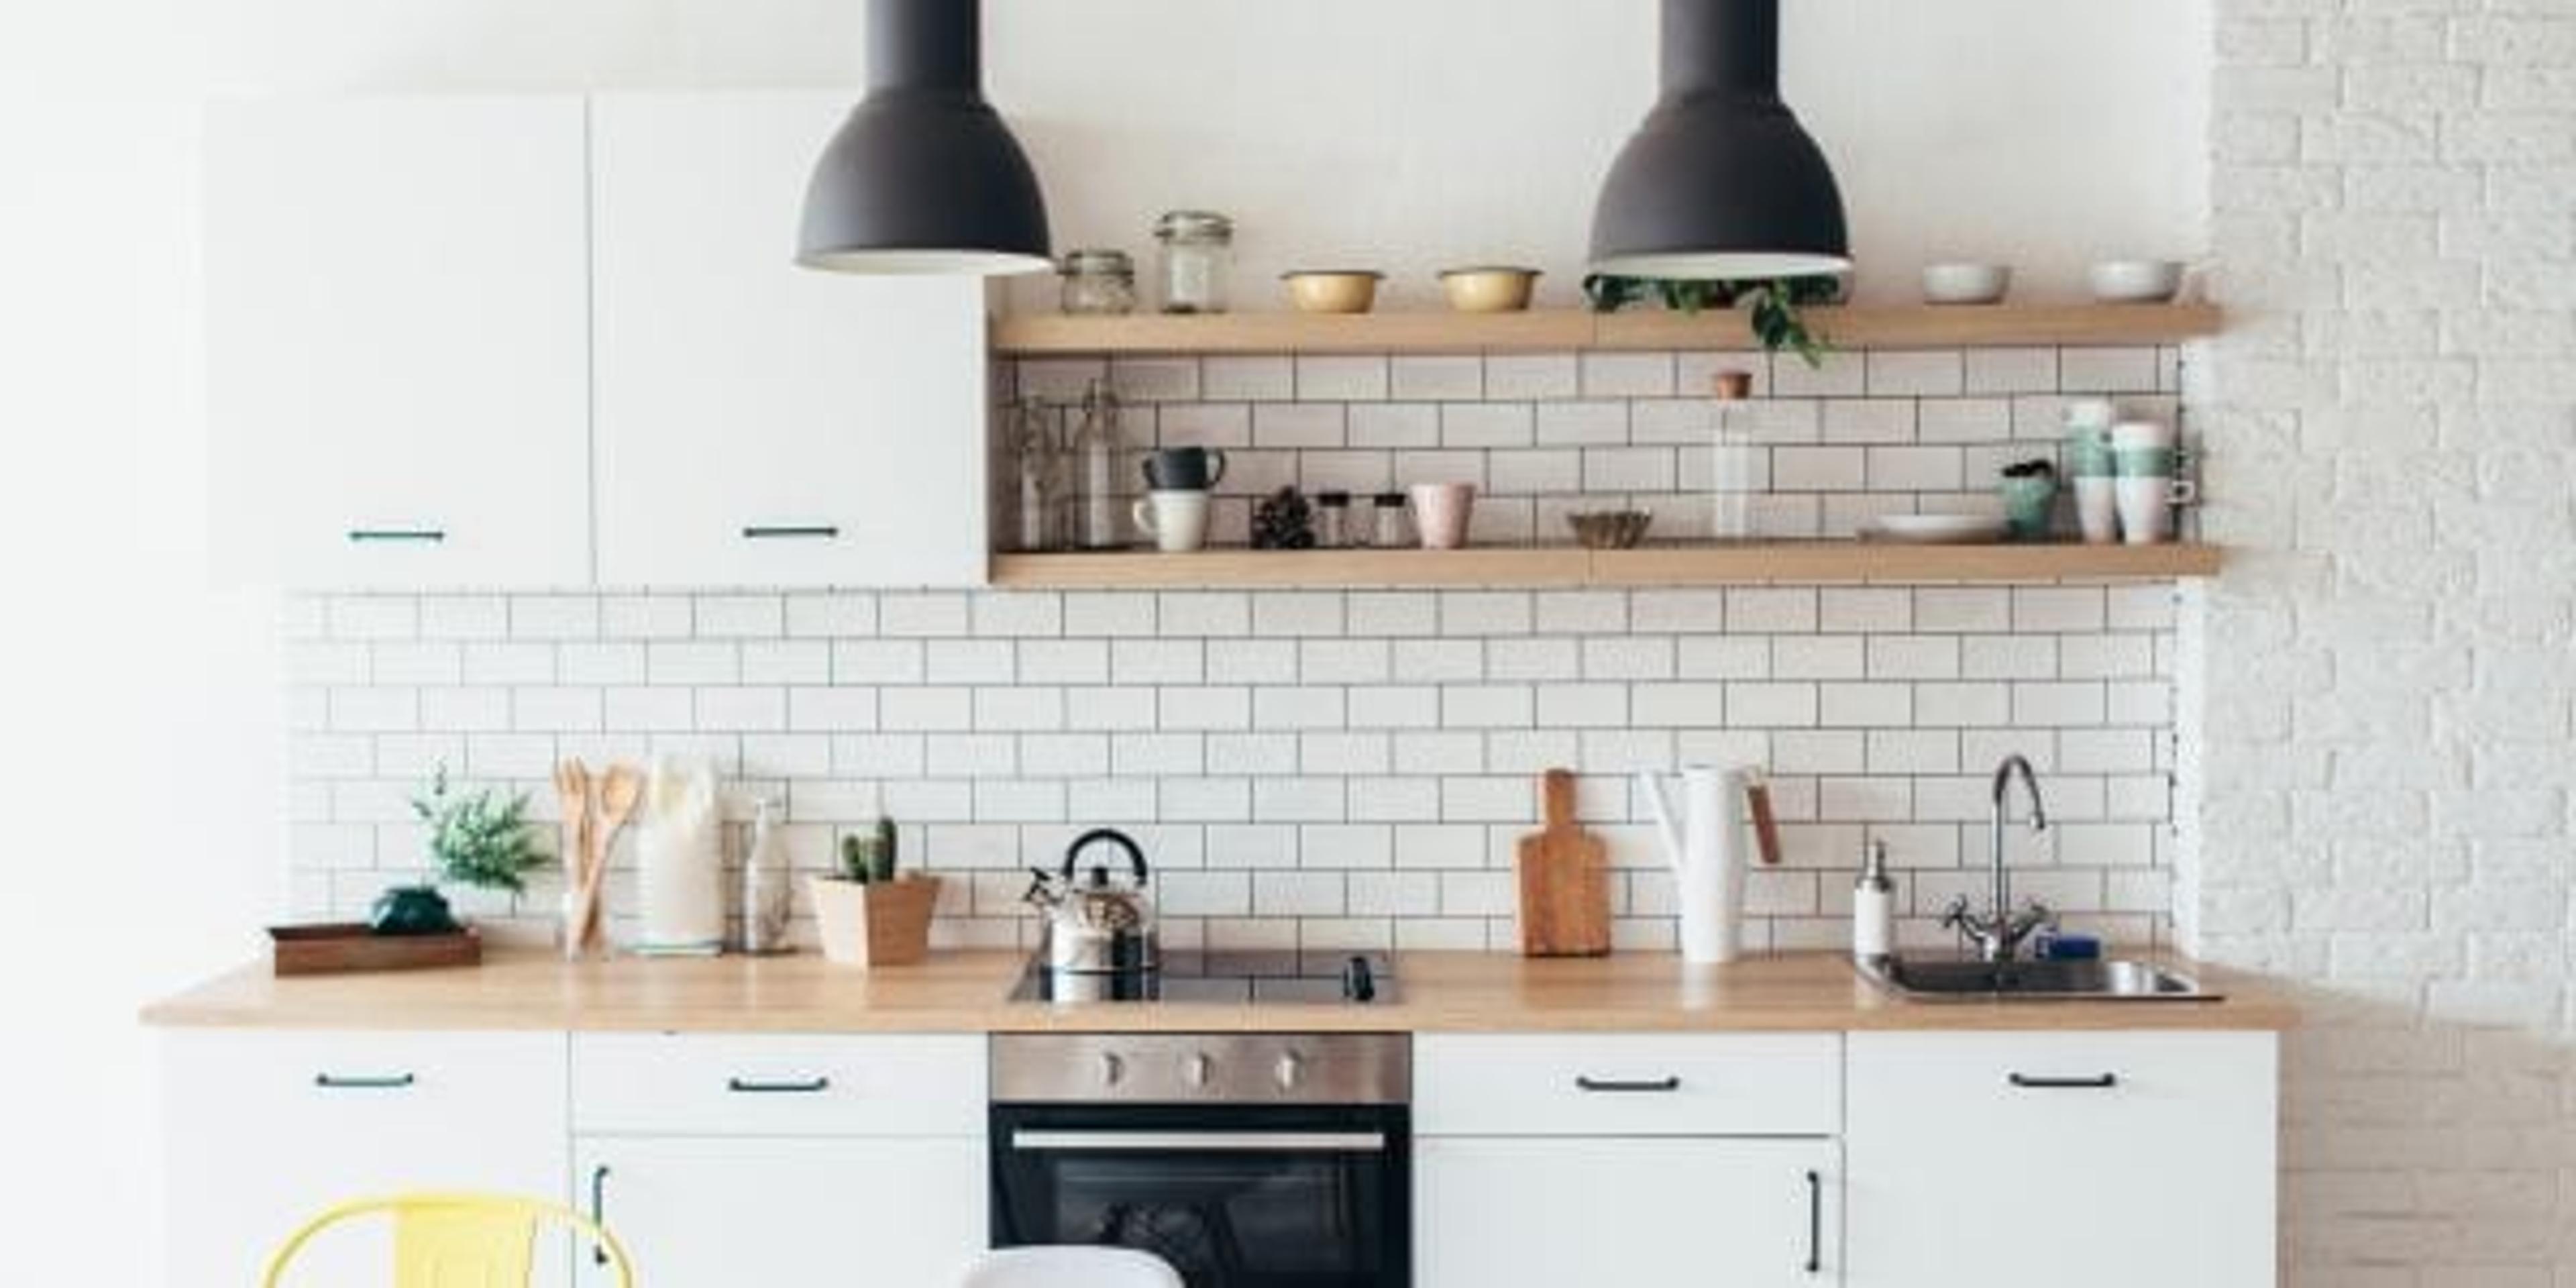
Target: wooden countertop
x=967, y=992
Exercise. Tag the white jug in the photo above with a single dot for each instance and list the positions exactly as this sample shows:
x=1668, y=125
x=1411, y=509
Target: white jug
x=1704, y=844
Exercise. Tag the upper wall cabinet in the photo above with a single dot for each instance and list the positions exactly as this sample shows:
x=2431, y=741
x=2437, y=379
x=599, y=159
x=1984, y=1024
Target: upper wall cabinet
x=758, y=423
x=398, y=341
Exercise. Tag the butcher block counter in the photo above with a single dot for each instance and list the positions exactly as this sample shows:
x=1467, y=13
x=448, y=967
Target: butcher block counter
x=970, y=993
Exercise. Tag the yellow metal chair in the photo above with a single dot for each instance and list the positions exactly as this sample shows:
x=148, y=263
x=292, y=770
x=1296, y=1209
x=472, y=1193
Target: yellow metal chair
x=459, y=1240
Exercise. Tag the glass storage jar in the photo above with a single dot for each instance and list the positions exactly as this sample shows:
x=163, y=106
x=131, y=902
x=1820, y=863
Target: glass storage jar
x=1098, y=283
x=1392, y=526
x=1197, y=257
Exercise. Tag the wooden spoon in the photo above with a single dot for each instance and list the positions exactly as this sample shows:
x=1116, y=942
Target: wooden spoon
x=572, y=789
x=619, y=792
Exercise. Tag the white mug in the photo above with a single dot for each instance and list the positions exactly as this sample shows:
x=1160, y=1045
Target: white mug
x=1177, y=521
x=2097, y=508
x=2147, y=507
x=2144, y=433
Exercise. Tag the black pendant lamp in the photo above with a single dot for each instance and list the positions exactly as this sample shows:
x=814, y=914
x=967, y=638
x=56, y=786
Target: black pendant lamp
x=925, y=177
x=1721, y=183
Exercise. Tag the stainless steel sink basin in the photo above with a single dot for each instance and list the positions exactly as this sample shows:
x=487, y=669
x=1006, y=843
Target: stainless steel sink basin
x=1950, y=980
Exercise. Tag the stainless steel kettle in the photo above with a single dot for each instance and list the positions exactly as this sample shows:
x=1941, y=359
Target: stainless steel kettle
x=1097, y=925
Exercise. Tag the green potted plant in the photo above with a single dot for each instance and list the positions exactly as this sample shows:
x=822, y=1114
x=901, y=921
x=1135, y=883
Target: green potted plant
x=868, y=915
x=1775, y=308
x=477, y=839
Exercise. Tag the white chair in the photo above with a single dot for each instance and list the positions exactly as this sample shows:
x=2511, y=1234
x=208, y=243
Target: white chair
x=1071, y=1268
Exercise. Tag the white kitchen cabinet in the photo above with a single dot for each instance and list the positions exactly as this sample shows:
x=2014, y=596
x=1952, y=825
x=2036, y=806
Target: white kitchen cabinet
x=398, y=342
x=1628, y=1084
x=1675, y=1212
x=265, y=1130
x=728, y=1212
x=2125, y=1160
x=758, y=423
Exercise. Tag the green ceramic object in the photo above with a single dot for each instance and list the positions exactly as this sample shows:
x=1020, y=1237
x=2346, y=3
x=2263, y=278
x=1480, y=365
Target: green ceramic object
x=2088, y=455
x=2030, y=506
x=412, y=910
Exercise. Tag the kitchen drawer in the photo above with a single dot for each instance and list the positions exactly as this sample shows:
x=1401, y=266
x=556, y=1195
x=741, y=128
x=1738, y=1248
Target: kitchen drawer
x=1628, y=1085
x=322, y=1085
x=777, y=1085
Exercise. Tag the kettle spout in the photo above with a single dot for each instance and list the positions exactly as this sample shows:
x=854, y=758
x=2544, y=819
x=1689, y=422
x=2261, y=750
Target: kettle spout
x=1667, y=821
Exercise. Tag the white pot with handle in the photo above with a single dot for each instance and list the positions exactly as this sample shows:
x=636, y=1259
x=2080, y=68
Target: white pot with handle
x=1703, y=840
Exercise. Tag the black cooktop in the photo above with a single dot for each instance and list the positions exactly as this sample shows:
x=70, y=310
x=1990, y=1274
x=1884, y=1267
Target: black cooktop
x=1286, y=977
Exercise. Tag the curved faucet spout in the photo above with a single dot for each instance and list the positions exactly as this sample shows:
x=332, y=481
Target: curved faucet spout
x=1998, y=935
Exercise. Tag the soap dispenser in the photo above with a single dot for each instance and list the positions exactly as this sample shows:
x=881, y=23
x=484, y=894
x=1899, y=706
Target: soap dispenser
x=767, y=898
x=1874, y=908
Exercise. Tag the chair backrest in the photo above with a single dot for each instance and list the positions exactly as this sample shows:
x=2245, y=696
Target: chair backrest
x=1084, y=1267
x=458, y=1240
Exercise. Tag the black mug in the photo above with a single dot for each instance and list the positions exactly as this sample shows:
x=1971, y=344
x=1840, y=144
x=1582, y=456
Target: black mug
x=1185, y=469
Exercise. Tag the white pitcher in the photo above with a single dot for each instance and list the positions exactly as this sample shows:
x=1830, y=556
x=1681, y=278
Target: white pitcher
x=1704, y=844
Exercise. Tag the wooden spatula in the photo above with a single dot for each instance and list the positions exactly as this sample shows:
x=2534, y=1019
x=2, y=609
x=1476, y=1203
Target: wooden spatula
x=572, y=789
x=1565, y=881
x=619, y=791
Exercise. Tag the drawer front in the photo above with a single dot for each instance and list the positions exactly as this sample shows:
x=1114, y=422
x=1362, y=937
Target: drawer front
x=320, y=1086
x=778, y=1085
x=2095, y=1081
x=1628, y=1085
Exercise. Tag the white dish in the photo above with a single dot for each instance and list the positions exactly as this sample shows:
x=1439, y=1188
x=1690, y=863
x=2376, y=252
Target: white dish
x=1936, y=529
x=1966, y=283
x=2135, y=281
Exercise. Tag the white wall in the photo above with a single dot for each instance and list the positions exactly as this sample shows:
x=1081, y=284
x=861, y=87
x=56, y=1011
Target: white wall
x=144, y=756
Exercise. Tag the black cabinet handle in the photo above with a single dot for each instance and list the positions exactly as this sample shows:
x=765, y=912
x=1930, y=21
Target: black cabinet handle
x=334, y=1082
x=599, y=1210
x=747, y=1087
x=2099, y=1082
x=396, y=536
x=1614, y=1085
x=1815, y=1223
x=808, y=533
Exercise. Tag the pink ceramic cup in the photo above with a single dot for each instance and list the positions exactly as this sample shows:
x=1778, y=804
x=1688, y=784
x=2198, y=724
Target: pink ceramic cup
x=1440, y=513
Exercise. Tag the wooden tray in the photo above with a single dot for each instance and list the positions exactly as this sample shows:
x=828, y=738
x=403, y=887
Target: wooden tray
x=342, y=948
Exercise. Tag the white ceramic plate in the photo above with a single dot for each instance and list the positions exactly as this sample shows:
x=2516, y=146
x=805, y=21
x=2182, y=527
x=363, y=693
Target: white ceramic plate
x=1937, y=529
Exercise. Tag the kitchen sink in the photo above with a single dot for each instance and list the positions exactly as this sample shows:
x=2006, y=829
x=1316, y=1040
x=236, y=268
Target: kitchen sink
x=1953, y=980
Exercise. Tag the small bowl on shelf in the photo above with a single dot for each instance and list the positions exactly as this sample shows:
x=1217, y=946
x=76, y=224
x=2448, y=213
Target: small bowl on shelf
x=1611, y=529
x=1333, y=290
x=1489, y=290
x=1966, y=283
x=2135, y=281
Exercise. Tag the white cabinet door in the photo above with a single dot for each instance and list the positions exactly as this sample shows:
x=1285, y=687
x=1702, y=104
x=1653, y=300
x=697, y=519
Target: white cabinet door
x=762, y=424
x=2139, y=1160
x=1637, y=1213
x=265, y=1130
x=398, y=344
x=718, y=1212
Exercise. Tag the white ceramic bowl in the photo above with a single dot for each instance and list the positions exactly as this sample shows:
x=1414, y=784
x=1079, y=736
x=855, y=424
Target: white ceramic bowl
x=1966, y=283
x=2136, y=281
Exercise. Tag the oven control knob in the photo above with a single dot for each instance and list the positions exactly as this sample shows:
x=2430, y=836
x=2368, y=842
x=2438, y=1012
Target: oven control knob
x=1112, y=1069
x=1290, y=1071
x=1197, y=1069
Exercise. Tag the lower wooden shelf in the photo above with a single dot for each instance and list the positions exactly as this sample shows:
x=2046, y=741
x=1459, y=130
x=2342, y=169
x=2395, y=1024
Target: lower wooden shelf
x=1673, y=565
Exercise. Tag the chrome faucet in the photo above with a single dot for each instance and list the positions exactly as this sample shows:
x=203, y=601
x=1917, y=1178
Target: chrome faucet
x=1998, y=933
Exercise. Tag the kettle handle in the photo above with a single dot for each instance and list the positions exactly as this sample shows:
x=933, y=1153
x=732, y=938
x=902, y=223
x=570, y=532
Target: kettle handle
x=1135, y=852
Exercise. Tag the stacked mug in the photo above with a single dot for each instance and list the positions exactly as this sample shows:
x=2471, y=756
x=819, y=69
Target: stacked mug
x=1174, y=512
x=2126, y=476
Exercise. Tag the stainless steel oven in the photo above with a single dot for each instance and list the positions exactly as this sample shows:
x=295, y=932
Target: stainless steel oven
x=1245, y=1160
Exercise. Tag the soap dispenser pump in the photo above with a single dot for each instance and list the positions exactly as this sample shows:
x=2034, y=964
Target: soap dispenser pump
x=1874, y=908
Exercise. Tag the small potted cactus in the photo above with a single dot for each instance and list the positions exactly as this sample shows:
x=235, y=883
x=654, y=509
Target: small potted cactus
x=870, y=913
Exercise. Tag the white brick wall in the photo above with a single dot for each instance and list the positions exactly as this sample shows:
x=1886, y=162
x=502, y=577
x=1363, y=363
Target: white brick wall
x=1309, y=767
x=2380, y=795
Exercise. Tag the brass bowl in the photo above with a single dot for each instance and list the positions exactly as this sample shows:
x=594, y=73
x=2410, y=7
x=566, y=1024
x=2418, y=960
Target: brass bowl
x=1489, y=290
x=1333, y=291
x=1611, y=529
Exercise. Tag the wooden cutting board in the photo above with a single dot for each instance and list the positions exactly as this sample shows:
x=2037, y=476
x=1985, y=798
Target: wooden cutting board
x=1565, y=881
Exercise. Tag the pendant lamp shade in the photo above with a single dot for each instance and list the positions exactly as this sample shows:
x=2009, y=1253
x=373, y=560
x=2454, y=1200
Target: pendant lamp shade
x=1721, y=183
x=925, y=176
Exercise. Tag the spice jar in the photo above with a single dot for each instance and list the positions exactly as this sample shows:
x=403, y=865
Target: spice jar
x=1197, y=257
x=1098, y=283
x=1392, y=527
x=1333, y=526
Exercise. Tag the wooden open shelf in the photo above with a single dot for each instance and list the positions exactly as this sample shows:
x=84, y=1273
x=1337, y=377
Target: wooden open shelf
x=1789, y=562
x=1862, y=327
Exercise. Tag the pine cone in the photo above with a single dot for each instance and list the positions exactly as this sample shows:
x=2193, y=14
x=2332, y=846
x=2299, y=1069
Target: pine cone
x=1284, y=521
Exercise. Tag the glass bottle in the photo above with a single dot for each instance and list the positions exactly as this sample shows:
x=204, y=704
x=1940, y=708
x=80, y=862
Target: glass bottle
x=1736, y=473
x=1098, y=283
x=767, y=890
x=1197, y=256
x=1033, y=450
x=1093, y=456
x=1391, y=524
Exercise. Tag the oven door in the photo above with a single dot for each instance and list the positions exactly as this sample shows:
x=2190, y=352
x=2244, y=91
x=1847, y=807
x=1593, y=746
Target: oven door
x=1253, y=1197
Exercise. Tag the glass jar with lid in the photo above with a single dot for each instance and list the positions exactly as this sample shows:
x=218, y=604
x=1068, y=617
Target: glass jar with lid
x=1197, y=257
x=1098, y=283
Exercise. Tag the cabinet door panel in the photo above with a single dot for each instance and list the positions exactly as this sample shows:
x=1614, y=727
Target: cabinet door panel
x=762, y=424
x=714, y=1212
x=265, y=1130
x=1638, y=1213
x=398, y=343
x=2145, y=1158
